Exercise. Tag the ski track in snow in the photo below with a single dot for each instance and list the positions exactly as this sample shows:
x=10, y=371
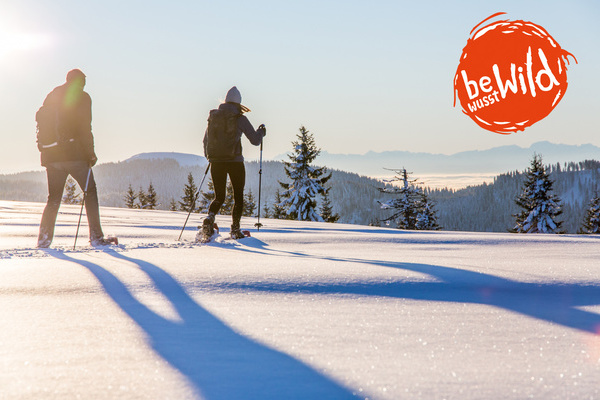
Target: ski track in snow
x=54, y=250
x=217, y=241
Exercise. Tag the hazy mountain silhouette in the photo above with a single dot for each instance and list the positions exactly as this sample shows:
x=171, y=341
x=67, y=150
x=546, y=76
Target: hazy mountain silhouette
x=492, y=161
x=184, y=159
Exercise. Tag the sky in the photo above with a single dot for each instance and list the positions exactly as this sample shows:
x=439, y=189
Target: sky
x=361, y=76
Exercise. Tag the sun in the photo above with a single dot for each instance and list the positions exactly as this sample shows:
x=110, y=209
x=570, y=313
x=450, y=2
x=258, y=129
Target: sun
x=14, y=43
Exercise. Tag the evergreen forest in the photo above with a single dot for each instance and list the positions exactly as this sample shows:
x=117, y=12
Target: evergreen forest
x=481, y=208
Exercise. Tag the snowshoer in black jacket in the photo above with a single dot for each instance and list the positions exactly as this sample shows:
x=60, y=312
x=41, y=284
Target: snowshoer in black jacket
x=223, y=149
x=69, y=151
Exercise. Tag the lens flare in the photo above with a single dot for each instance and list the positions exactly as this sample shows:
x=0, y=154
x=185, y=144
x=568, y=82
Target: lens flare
x=13, y=43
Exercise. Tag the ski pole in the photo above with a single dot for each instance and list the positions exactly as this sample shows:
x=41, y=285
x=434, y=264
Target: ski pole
x=87, y=181
x=193, y=205
x=258, y=224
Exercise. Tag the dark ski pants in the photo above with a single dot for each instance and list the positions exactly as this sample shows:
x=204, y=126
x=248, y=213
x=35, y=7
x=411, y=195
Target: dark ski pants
x=237, y=175
x=57, y=176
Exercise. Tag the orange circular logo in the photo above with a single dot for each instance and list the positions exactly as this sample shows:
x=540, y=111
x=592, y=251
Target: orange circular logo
x=511, y=75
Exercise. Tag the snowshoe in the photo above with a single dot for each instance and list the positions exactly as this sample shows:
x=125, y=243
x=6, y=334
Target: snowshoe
x=109, y=240
x=44, y=239
x=43, y=243
x=207, y=231
x=237, y=233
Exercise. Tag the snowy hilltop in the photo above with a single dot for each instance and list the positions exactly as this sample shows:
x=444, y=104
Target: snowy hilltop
x=301, y=310
x=183, y=159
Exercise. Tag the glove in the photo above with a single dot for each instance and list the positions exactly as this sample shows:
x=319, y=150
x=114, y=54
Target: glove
x=263, y=129
x=93, y=161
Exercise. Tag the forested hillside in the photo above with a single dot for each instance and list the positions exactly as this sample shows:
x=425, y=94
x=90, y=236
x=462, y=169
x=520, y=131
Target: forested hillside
x=486, y=208
x=354, y=197
x=490, y=207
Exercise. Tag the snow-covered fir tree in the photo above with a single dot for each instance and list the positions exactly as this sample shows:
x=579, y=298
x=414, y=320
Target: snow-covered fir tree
x=540, y=207
x=130, y=197
x=71, y=196
x=426, y=215
x=173, y=206
x=405, y=206
x=188, y=200
x=249, y=204
x=299, y=196
x=591, y=221
x=327, y=208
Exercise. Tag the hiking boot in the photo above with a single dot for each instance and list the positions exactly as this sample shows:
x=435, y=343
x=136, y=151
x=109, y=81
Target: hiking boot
x=208, y=226
x=43, y=243
x=99, y=242
x=236, y=232
x=44, y=240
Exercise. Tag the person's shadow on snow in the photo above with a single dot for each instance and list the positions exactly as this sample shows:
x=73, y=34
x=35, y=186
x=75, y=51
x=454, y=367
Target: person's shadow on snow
x=555, y=302
x=219, y=362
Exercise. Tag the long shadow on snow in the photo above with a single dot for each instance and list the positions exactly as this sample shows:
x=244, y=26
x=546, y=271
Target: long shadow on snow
x=219, y=362
x=555, y=302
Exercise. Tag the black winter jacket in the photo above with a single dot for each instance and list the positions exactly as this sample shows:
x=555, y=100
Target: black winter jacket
x=74, y=108
x=244, y=128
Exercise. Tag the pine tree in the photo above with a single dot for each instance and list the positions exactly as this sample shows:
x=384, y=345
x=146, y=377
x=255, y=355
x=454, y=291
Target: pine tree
x=249, y=204
x=406, y=206
x=540, y=207
x=327, y=209
x=173, y=205
x=151, y=198
x=188, y=200
x=130, y=198
x=266, y=212
x=591, y=221
x=426, y=218
x=307, y=181
x=142, y=199
x=278, y=209
x=71, y=196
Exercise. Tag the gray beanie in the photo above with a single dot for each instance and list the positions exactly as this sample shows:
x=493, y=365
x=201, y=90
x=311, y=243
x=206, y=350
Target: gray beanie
x=233, y=96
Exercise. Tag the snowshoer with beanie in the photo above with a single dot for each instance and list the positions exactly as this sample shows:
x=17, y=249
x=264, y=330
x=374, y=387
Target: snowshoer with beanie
x=66, y=145
x=223, y=149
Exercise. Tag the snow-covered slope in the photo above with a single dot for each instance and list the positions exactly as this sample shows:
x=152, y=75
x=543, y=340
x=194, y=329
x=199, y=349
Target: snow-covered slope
x=298, y=311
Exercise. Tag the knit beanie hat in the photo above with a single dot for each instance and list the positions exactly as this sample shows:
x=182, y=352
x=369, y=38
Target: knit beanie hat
x=233, y=96
x=75, y=74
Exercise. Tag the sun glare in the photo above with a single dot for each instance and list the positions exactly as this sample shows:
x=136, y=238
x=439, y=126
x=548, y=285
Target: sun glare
x=13, y=43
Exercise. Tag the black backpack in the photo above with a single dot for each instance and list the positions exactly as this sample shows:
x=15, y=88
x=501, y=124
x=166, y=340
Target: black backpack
x=47, y=127
x=222, y=137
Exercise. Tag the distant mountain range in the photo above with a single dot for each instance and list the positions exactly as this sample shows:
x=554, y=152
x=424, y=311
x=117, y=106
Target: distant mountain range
x=476, y=162
x=354, y=196
x=493, y=161
x=184, y=159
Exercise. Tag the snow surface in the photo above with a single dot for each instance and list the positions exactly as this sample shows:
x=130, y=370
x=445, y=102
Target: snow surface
x=299, y=311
